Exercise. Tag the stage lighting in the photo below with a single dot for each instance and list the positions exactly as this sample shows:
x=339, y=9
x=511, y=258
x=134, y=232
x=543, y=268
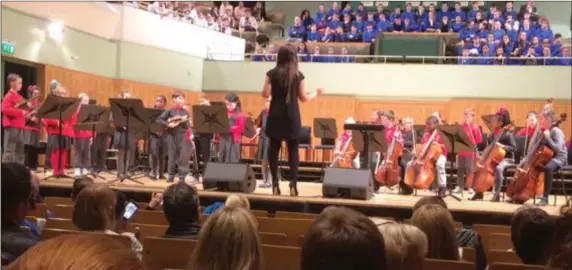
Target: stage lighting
x=56, y=30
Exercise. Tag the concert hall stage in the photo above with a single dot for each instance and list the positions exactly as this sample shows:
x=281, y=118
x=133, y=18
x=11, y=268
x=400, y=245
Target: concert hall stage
x=385, y=203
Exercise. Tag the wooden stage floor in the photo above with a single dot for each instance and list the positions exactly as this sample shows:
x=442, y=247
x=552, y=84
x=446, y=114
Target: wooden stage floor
x=311, y=193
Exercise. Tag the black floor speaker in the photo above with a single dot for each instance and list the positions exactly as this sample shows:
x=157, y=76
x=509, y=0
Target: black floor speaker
x=235, y=177
x=348, y=183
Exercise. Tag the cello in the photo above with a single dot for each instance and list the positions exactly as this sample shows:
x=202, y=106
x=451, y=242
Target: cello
x=389, y=172
x=482, y=178
x=527, y=176
x=421, y=173
x=347, y=156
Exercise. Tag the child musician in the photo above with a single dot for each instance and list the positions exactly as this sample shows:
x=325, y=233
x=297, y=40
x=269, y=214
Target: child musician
x=407, y=133
x=342, y=143
x=32, y=129
x=531, y=122
x=125, y=144
x=506, y=141
x=158, y=145
x=229, y=144
x=48, y=170
x=176, y=132
x=82, y=142
x=263, y=142
x=13, y=121
x=203, y=141
x=554, y=139
x=466, y=160
x=58, y=144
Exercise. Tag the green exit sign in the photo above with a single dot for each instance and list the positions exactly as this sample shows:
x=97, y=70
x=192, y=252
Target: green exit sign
x=8, y=48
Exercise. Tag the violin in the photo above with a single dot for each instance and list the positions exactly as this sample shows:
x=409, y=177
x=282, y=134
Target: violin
x=482, y=178
x=421, y=173
x=389, y=172
x=176, y=121
x=527, y=176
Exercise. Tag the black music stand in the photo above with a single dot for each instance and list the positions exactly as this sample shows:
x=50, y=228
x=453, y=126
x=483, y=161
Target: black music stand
x=367, y=138
x=145, y=135
x=325, y=128
x=249, y=128
x=456, y=141
x=211, y=119
x=60, y=108
x=94, y=118
x=130, y=114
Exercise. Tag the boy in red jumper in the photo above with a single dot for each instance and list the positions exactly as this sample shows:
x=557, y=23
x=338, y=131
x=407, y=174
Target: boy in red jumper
x=13, y=121
x=82, y=142
x=466, y=160
x=58, y=144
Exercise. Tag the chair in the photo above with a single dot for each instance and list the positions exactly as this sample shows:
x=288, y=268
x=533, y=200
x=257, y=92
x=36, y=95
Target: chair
x=434, y=264
x=291, y=227
x=281, y=258
x=513, y=266
x=259, y=213
x=455, y=223
x=468, y=254
x=558, y=177
x=326, y=145
x=60, y=223
x=41, y=211
x=306, y=141
x=295, y=215
x=160, y=253
x=503, y=256
x=485, y=230
x=62, y=211
x=501, y=241
x=147, y=230
x=53, y=233
x=275, y=239
x=52, y=201
x=150, y=217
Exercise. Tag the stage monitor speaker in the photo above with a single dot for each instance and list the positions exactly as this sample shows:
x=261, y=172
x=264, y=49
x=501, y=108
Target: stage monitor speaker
x=348, y=183
x=234, y=177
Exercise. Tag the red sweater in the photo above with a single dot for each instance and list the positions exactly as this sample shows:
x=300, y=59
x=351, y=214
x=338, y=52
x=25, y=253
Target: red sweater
x=474, y=134
x=52, y=127
x=526, y=131
x=437, y=139
x=238, y=127
x=76, y=132
x=389, y=135
x=34, y=127
x=11, y=116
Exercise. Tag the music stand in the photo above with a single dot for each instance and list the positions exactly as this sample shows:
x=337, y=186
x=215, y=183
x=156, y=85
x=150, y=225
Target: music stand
x=325, y=128
x=456, y=141
x=210, y=119
x=60, y=108
x=145, y=135
x=128, y=113
x=94, y=118
x=249, y=129
x=367, y=138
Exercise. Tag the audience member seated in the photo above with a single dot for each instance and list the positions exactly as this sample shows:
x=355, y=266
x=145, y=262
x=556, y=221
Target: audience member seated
x=237, y=228
x=79, y=252
x=95, y=210
x=17, y=201
x=341, y=238
x=247, y=22
x=121, y=222
x=437, y=223
x=303, y=54
x=181, y=208
x=531, y=233
x=79, y=184
x=298, y=30
x=237, y=200
x=560, y=256
x=405, y=246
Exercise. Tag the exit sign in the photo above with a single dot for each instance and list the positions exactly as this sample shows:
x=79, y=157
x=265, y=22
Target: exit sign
x=8, y=48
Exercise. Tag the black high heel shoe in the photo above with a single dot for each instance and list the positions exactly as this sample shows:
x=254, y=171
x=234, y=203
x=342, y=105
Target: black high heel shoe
x=293, y=192
x=275, y=190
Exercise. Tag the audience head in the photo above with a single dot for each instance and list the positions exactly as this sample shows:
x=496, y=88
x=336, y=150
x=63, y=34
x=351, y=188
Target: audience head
x=429, y=200
x=120, y=203
x=79, y=252
x=237, y=200
x=561, y=251
x=341, y=238
x=14, y=81
x=79, y=184
x=405, y=246
x=94, y=209
x=437, y=223
x=181, y=204
x=237, y=228
x=531, y=233
x=17, y=192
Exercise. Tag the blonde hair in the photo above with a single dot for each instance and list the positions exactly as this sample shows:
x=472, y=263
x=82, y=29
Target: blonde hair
x=407, y=119
x=79, y=252
x=237, y=200
x=437, y=224
x=82, y=94
x=94, y=209
x=405, y=246
x=237, y=228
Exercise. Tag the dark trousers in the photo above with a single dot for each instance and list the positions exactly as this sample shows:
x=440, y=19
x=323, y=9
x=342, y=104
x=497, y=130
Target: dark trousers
x=464, y=169
x=157, y=155
x=13, y=145
x=125, y=158
x=179, y=154
x=31, y=157
x=98, y=152
x=81, y=153
x=403, y=161
x=203, y=144
x=293, y=159
x=48, y=154
x=549, y=169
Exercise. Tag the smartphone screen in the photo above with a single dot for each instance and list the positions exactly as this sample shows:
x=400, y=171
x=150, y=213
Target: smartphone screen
x=130, y=210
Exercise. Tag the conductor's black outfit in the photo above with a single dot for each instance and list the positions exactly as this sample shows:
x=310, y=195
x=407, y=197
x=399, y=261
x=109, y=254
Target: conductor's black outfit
x=283, y=123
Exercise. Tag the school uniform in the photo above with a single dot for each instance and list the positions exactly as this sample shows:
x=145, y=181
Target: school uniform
x=369, y=36
x=229, y=143
x=340, y=37
x=203, y=147
x=457, y=27
x=58, y=144
x=334, y=25
x=457, y=13
x=297, y=31
x=408, y=14
x=507, y=139
x=353, y=37
x=13, y=121
x=406, y=157
x=543, y=34
x=383, y=26
x=360, y=26
x=125, y=143
x=466, y=160
x=556, y=142
x=314, y=36
x=158, y=146
x=328, y=38
x=441, y=175
x=178, y=150
x=31, y=139
x=81, y=143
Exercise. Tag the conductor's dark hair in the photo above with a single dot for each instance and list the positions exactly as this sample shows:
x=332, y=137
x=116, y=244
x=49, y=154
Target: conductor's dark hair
x=287, y=67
